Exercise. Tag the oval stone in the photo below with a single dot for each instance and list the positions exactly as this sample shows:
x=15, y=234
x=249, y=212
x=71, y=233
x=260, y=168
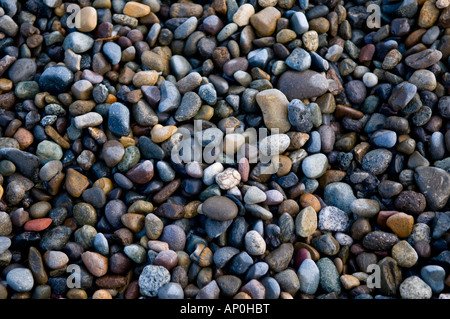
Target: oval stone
x=219, y=208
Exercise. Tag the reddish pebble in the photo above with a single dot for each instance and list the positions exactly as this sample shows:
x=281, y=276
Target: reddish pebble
x=301, y=255
x=37, y=224
x=166, y=258
x=244, y=169
x=141, y=173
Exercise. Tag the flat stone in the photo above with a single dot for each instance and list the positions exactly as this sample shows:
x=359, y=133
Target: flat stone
x=434, y=183
x=302, y=85
x=274, y=107
x=329, y=276
x=306, y=222
x=331, y=218
x=309, y=276
x=219, y=208
x=365, y=207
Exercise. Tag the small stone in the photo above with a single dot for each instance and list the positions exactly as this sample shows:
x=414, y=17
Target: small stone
x=254, y=195
x=309, y=277
x=306, y=222
x=299, y=116
x=340, y=195
x=219, y=208
x=434, y=184
x=302, y=85
x=434, y=276
x=379, y=240
x=315, y=165
x=264, y=22
x=20, y=279
x=415, y=288
x=152, y=279
x=274, y=144
x=119, y=119
x=365, y=207
x=75, y=183
x=331, y=218
x=254, y=243
x=228, y=179
x=274, y=107
x=404, y=254
x=95, y=263
x=401, y=224
x=410, y=202
x=329, y=276
x=136, y=10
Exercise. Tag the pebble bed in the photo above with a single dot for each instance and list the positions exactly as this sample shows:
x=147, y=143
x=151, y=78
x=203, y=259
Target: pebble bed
x=93, y=103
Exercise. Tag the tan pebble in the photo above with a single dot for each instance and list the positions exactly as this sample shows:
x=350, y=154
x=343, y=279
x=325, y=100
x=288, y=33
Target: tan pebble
x=101, y=294
x=145, y=78
x=105, y=184
x=157, y=245
x=141, y=207
x=76, y=293
x=87, y=19
x=136, y=10
x=134, y=222
x=349, y=281
x=161, y=133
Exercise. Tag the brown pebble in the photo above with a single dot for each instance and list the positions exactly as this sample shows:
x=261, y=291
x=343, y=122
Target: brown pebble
x=24, y=137
x=289, y=206
x=95, y=263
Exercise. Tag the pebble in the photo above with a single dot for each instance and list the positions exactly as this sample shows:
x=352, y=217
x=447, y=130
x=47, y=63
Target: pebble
x=379, y=240
x=433, y=276
x=152, y=279
x=339, y=195
x=315, y=166
x=254, y=243
x=414, y=288
x=404, y=254
x=308, y=84
x=329, y=276
x=20, y=279
x=274, y=107
x=119, y=119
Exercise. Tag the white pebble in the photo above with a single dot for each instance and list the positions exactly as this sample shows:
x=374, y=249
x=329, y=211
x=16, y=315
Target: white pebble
x=370, y=79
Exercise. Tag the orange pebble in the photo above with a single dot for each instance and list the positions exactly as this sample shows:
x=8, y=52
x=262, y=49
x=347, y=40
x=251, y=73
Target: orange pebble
x=111, y=99
x=37, y=224
x=310, y=200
